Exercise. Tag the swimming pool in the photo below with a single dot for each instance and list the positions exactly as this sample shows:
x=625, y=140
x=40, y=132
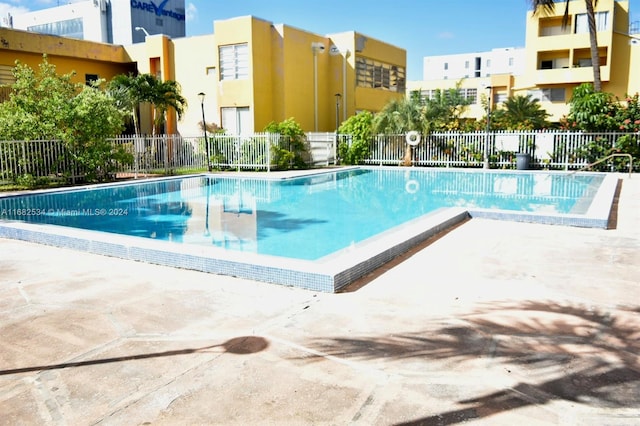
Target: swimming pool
x=320, y=230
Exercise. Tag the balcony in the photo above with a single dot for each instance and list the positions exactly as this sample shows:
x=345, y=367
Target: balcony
x=573, y=75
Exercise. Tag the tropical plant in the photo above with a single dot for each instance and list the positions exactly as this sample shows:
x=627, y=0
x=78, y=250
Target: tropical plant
x=291, y=150
x=591, y=111
x=443, y=111
x=45, y=105
x=130, y=91
x=520, y=112
x=401, y=116
x=548, y=6
x=359, y=128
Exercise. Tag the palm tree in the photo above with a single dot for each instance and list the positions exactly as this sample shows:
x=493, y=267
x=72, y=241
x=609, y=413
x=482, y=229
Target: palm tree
x=401, y=116
x=549, y=6
x=166, y=95
x=521, y=112
x=130, y=91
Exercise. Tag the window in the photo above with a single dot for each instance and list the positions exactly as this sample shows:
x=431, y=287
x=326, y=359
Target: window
x=549, y=95
x=211, y=70
x=234, y=62
x=446, y=66
x=510, y=62
x=546, y=65
x=554, y=95
x=466, y=65
x=379, y=75
x=582, y=23
x=237, y=121
x=72, y=28
x=488, y=63
x=89, y=79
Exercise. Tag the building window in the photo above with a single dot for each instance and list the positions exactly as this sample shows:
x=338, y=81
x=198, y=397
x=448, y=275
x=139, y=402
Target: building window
x=90, y=79
x=510, y=62
x=446, y=66
x=6, y=75
x=466, y=65
x=582, y=23
x=72, y=28
x=488, y=63
x=211, y=70
x=557, y=94
x=237, y=121
x=234, y=62
x=159, y=22
x=379, y=75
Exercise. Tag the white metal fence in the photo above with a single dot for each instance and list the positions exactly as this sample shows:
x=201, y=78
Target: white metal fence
x=173, y=153
x=555, y=150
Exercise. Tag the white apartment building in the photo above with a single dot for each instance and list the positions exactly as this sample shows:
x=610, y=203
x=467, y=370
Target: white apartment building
x=120, y=22
x=508, y=60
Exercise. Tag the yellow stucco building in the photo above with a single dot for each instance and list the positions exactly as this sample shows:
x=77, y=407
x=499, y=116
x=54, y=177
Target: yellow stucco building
x=251, y=71
x=558, y=59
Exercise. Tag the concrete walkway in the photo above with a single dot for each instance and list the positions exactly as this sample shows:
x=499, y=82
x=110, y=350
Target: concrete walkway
x=493, y=323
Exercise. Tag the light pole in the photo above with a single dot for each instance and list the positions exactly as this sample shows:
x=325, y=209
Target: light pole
x=486, y=138
x=201, y=95
x=146, y=33
x=338, y=96
x=316, y=47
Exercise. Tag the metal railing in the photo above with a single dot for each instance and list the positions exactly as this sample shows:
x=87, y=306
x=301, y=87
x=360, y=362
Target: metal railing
x=166, y=154
x=608, y=157
x=548, y=149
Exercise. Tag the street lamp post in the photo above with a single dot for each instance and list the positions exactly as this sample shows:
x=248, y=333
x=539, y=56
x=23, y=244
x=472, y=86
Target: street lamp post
x=486, y=139
x=201, y=95
x=338, y=97
x=316, y=48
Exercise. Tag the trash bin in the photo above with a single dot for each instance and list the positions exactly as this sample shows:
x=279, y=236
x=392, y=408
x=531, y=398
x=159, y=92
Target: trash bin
x=523, y=161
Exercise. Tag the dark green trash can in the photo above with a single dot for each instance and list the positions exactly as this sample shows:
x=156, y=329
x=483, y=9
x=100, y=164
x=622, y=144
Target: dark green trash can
x=523, y=161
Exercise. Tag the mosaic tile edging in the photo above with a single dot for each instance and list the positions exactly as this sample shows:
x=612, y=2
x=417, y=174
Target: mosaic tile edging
x=309, y=280
x=325, y=276
x=597, y=216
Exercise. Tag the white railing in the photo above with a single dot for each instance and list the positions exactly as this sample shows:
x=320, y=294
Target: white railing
x=556, y=150
x=178, y=154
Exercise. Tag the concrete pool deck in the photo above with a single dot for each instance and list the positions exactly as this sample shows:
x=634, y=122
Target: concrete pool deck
x=491, y=323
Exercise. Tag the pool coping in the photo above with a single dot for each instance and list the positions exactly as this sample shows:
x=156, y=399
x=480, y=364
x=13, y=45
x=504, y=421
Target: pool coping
x=328, y=274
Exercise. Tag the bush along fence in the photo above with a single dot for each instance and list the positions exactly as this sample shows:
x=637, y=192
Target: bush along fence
x=27, y=162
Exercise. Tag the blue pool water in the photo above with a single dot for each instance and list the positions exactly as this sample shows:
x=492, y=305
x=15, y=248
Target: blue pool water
x=304, y=218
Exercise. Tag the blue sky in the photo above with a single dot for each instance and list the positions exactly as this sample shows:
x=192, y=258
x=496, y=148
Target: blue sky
x=422, y=27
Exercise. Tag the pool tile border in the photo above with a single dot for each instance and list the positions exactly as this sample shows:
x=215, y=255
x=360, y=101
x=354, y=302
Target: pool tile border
x=329, y=274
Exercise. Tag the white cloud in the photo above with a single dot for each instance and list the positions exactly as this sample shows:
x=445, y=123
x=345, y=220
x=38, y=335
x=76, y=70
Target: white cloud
x=6, y=9
x=191, y=12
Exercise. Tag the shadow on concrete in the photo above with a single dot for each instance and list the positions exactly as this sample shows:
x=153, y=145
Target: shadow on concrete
x=239, y=345
x=559, y=352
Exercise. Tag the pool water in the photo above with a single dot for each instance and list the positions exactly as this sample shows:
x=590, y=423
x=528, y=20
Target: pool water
x=303, y=218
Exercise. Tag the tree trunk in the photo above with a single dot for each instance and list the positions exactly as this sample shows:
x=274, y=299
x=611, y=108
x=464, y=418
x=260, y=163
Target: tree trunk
x=593, y=40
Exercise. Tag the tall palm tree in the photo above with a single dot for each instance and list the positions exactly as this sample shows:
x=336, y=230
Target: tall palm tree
x=166, y=95
x=547, y=6
x=130, y=91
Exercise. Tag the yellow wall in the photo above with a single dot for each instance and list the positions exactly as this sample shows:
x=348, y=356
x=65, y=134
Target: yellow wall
x=283, y=67
x=68, y=55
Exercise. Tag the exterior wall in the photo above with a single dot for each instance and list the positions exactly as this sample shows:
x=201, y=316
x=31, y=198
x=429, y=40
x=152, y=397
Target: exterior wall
x=196, y=73
x=289, y=75
x=68, y=55
x=467, y=65
x=113, y=21
x=564, y=54
x=93, y=15
x=375, y=99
